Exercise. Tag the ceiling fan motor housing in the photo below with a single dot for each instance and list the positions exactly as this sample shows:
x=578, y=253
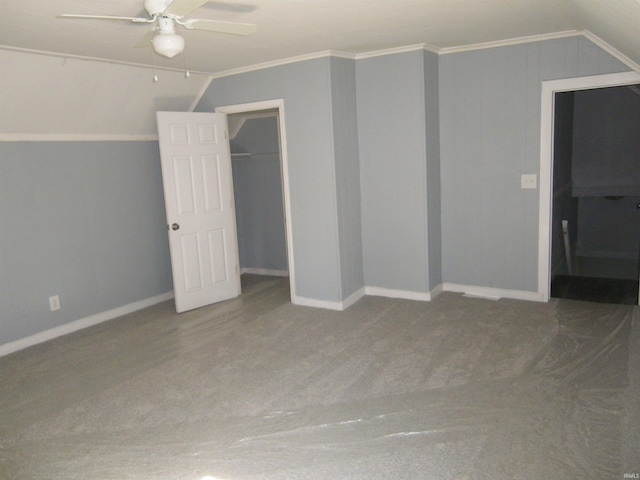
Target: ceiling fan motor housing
x=156, y=7
x=166, y=26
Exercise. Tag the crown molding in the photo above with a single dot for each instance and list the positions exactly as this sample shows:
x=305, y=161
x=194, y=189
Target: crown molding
x=325, y=54
x=510, y=41
x=393, y=51
x=284, y=61
x=359, y=56
x=100, y=60
x=69, y=137
x=549, y=36
x=610, y=50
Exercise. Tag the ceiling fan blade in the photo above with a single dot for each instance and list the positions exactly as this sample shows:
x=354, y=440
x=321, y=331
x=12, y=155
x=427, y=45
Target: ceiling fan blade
x=106, y=17
x=228, y=6
x=221, y=27
x=181, y=8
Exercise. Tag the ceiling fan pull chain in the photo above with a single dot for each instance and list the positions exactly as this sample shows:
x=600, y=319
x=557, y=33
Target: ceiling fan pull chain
x=153, y=67
x=187, y=73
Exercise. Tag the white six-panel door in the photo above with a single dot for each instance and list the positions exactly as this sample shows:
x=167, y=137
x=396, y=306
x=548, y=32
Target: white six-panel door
x=198, y=191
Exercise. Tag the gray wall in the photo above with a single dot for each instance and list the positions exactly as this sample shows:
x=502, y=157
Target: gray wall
x=434, y=204
x=257, y=185
x=84, y=220
x=347, y=171
x=392, y=136
x=306, y=90
x=489, y=136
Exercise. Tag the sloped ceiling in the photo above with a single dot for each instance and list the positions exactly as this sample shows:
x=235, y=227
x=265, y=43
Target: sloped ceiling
x=119, y=96
x=76, y=99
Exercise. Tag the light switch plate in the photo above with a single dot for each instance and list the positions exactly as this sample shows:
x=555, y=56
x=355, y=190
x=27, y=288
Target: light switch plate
x=529, y=180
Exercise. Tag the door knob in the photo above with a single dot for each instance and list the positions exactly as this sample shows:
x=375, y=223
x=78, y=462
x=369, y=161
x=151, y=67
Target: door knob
x=175, y=226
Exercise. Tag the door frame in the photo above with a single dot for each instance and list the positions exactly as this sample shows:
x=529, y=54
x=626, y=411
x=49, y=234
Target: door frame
x=549, y=89
x=284, y=168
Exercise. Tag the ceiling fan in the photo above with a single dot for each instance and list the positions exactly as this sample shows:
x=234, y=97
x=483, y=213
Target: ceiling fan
x=166, y=14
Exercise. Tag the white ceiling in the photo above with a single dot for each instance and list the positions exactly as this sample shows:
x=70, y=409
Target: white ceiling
x=290, y=28
x=65, y=96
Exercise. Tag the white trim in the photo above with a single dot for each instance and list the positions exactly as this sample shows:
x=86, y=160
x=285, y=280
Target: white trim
x=510, y=41
x=434, y=49
x=340, y=54
x=200, y=93
x=264, y=271
x=324, y=54
x=251, y=107
x=312, y=302
x=406, y=48
x=549, y=88
x=539, y=38
x=436, y=291
x=611, y=51
x=69, y=137
x=393, y=51
x=101, y=60
x=392, y=293
x=284, y=159
x=283, y=61
x=353, y=56
x=492, y=293
x=326, y=304
x=329, y=305
x=82, y=323
x=353, y=298
x=431, y=48
x=370, y=291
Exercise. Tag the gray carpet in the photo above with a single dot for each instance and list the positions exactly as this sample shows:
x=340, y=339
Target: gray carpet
x=257, y=388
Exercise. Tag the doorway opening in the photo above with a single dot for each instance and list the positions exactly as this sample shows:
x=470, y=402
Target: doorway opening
x=261, y=194
x=589, y=223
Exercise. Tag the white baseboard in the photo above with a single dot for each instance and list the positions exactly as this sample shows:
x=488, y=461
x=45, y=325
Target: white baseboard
x=436, y=291
x=343, y=305
x=392, y=293
x=264, y=271
x=469, y=290
x=312, y=302
x=76, y=325
x=373, y=291
x=353, y=298
x=492, y=293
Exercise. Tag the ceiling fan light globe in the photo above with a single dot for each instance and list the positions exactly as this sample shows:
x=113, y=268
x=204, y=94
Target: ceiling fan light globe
x=168, y=45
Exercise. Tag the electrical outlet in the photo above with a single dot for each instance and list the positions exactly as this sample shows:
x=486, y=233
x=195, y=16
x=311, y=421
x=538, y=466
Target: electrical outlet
x=529, y=181
x=54, y=303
